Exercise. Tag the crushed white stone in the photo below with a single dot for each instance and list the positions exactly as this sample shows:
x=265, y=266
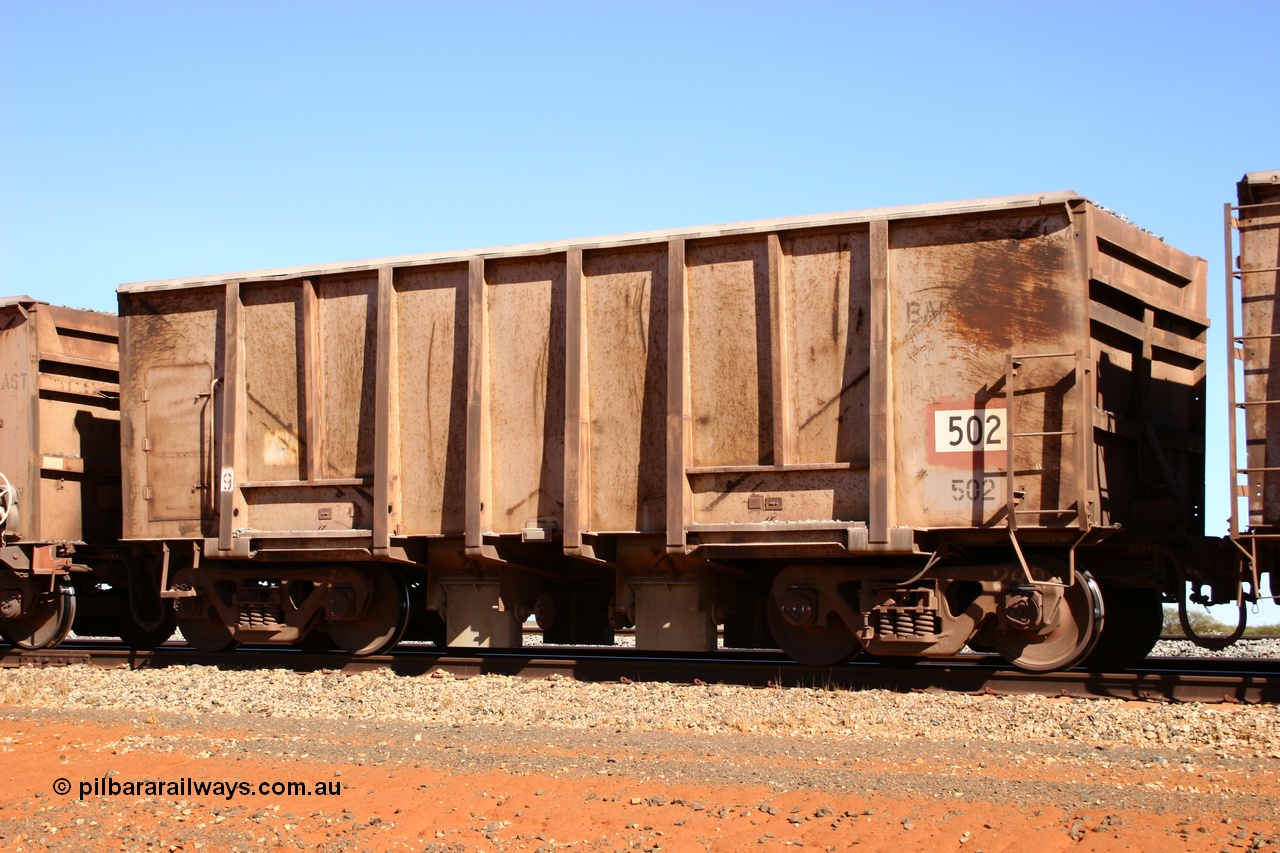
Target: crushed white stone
x=1246, y=647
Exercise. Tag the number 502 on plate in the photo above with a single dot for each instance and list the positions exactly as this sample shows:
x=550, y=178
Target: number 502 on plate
x=968, y=430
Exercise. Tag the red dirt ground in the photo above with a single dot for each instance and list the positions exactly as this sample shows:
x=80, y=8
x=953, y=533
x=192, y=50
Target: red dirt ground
x=413, y=801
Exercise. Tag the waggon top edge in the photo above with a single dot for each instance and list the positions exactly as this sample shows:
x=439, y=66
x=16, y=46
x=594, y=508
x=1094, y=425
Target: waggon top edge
x=899, y=212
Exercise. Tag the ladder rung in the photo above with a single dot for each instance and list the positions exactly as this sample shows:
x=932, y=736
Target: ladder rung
x=1044, y=512
x=1032, y=434
x=1257, y=403
x=1254, y=470
x=1241, y=272
x=1244, y=338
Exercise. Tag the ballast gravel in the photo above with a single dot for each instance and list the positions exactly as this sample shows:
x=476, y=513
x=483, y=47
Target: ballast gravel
x=563, y=703
x=1247, y=647
x=497, y=763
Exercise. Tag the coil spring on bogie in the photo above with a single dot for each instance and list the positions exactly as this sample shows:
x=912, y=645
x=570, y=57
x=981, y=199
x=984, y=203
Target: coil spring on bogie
x=260, y=615
x=903, y=624
x=906, y=623
x=926, y=623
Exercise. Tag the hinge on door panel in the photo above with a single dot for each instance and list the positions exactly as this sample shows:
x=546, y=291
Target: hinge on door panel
x=146, y=443
x=146, y=394
x=146, y=493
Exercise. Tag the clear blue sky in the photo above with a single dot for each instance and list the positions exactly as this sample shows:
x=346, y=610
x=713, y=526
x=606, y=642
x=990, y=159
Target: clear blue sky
x=154, y=140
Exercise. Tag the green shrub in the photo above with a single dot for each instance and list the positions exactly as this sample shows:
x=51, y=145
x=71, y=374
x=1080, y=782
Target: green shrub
x=1204, y=624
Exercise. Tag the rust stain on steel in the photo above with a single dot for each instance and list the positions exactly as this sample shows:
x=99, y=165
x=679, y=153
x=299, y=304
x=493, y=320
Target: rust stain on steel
x=750, y=346
x=995, y=288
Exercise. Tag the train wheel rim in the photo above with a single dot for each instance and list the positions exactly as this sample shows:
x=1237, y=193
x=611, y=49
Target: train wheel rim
x=384, y=621
x=206, y=633
x=1068, y=643
x=828, y=645
x=1126, y=642
x=47, y=623
x=138, y=637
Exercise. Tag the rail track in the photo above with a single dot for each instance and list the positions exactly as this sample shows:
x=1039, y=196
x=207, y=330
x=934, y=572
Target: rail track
x=1205, y=680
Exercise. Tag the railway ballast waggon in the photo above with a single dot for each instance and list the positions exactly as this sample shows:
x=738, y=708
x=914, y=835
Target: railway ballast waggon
x=898, y=431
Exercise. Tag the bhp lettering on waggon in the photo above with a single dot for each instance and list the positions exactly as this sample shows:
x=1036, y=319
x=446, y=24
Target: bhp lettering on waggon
x=899, y=431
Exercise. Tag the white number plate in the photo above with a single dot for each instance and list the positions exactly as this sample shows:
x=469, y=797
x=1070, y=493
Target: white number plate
x=968, y=430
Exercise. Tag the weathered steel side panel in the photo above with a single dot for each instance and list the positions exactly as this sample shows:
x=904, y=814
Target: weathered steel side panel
x=348, y=328
x=79, y=425
x=1139, y=263
x=1259, y=227
x=19, y=379
x=274, y=378
x=430, y=404
x=1147, y=325
x=172, y=349
x=779, y=354
x=60, y=421
x=965, y=293
x=525, y=313
x=828, y=293
x=730, y=358
x=706, y=379
x=729, y=498
x=626, y=353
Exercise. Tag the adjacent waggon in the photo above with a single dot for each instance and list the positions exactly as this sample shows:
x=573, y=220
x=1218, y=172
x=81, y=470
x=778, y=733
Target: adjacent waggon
x=1252, y=265
x=60, y=484
x=897, y=431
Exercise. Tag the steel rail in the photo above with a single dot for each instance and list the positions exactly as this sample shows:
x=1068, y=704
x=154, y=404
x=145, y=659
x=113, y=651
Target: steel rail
x=1205, y=680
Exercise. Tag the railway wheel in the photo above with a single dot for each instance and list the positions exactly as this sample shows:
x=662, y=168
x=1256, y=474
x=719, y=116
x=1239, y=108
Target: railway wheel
x=316, y=642
x=811, y=644
x=384, y=620
x=198, y=619
x=1067, y=643
x=150, y=636
x=150, y=622
x=1135, y=619
x=46, y=622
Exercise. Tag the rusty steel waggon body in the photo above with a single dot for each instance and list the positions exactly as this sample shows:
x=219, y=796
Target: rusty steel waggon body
x=60, y=482
x=899, y=430
x=1254, y=260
